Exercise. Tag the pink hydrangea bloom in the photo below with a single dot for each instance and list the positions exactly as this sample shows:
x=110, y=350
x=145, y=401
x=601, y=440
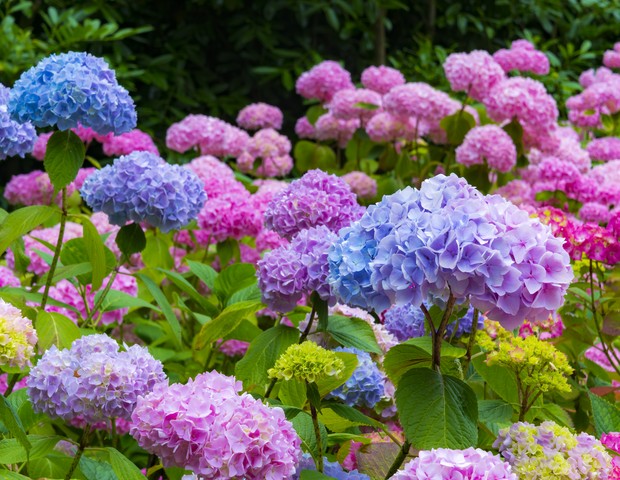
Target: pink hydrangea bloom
x=489, y=143
x=345, y=104
x=382, y=79
x=322, y=81
x=524, y=57
x=268, y=143
x=272, y=149
x=269, y=240
x=604, y=149
x=475, y=73
x=260, y=115
x=83, y=174
x=8, y=278
x=209, y=427
x=40, y=146
x=547, y=329
x=384, y=127
x=595, y=212
x=361, y=184
x=592, y=76
x=4, y=384
x=419, y=100
x=597, y=355
x=233, y=348
x=303, y=128
x=124, y=144
x=600, y=98
x=32, y=188
x=517, y=191
x=328, y=127
x=611, y=58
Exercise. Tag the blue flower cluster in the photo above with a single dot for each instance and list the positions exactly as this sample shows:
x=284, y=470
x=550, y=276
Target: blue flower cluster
x=15, y=138
x=70, y=89
x=405, y=322
x=365, y=387
x=142, y=187
x=330, y=469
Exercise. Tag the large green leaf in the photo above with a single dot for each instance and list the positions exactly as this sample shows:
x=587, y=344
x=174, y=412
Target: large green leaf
x=310, y=155
x=79, y=250
x=437, y=411
x=64, y=156
x=12, y=451
x=157, y=252
x=606, y=415
x=180, y=282
x=23, y=220
x=495, y=414
x=96, y=252
x=96, y=469
x=116, y=300
x=234, y=278
x=292, y=393
x=225, y=322
x=353, y=332
x=457, y=125
x=263, y=353
x=204, y=272
x=13, y=423
x=55, y=329
x=123, y=467
x=305, y=429
x=327, y=384
x=499, y=379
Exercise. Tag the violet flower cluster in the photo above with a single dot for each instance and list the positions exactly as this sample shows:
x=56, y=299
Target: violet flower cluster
x=315, y=199
x=93, y=379
x=447, y=238
x=70, y=88
x=16, y=138
x=142, y=187
x=208, y=427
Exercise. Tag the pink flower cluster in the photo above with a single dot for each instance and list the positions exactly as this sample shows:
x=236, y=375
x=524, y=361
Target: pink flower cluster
x=611, y=58
x=329, y=127
x=524, y=57
x=355, y=104
x=547, y=329
x=600, y=97
x=487, y=143
x=124, y=144
x=362, y=185
x=475, y=73
x=322, y=81
x=272, y=149
x=8, y=278
x=86, y=134
x=260, y=115
x=604, y=149
x=382, y=79
x=208, y=427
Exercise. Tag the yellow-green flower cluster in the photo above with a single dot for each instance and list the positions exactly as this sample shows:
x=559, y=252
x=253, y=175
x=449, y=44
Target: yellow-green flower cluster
x=17, y=337
x=536, y=363
x=306, y=362
x=551, y=452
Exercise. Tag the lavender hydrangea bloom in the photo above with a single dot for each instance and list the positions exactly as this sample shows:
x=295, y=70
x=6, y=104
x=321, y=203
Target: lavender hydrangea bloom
x=365, y=386
x=92, y=379
x=405, y=322
x=142, y=187
x=315, y=199
x=16, y=139
x=331, y=469
x=463, y=326
x=71, y=88
x=447, y=238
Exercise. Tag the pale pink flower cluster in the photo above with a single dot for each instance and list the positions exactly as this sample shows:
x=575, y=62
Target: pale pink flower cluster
x=267, y=154
x=385, y=127
x=600, y=97
x=124, y=144
x=522, y=56
x=355, y=104
x=34, y=188
x=328, y=127
x=8, y=278
x=304, y=129
x=488, y=143
x=604, y=149
x=260, y=115
x=361, y=184
x=419, y=100
x=382, y=79
x=322, y=81
x=611, y=58
x=475, y=73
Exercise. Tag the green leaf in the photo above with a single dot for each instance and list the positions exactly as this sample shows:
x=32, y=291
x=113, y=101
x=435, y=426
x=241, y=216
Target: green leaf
x=131, y=239
x=96, y=252
x=606, y=415
x=13, y=423
x=328, y=384
x=495, y=414
x=437, y=411
x=228, y=250
x=165, y=306
x=313, y=475
x=248, y=293
x=551, y=411
x=262, y=354
x=321, y=308
x=79, y=250
x=63, y=158
x=310, y=155
x=50, y=466
x=313, y=396
x=123, y=467
x=12, y=451
x=157, y=252
x=20, y=403
x=353, y=332
x=499, y=379
x=515, y=131
x=457, y=125
x=204, y=272
x=352, y=414
x=292, y=393
x=96, y=469
x=416, y=353
x=55, y=329
x=8, y=475
x=302, y=424
x=225, y=322
x=233, y=278
x=314, y=112
x=21, y=221
x=116, y=300
x=180, y=282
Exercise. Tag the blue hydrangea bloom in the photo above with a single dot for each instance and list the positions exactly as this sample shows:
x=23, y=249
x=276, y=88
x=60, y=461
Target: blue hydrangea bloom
x=365, y=386
x=331, y=469
x=70, y=89
x=16, y=139
x=464, y=325
x=405, y=322
x=142, y=187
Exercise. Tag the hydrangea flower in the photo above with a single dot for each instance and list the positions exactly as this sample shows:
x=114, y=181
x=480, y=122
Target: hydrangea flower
x=16, y=138
x=475, y=73
x=611, y=58
x=306, y=362
x=133, y=141
x=93, y=379
x=523, y=57
x=208, y=427
x=364, y=388
x=549, y=451
x=260, y=115
x=355, y=103
x=361, y=184
x=419, y=100
x=446, y=464
x=17, y=337
x=600, y=98
x=315, y=199
x=304, y=129
x=70, y=89
x=322, y=81
x=382, y=79
x=328, y=127
x=8, y=278
x=272, y=149
x=34, y=188
x=405, y=322
x=142, y=187
x=449, y=238
x=488, y=143
x=547, y=329
x=604, y=149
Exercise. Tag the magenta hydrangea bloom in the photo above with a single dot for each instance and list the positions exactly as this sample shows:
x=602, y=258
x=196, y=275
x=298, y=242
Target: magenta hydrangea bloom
x=488, y=143
x=592, y=76
x=328, y=127
x=34, y=188
x=322, y=81
x=208, y=427
x=384, y=127
x=518, y=192
x=475, y=73
x=361, y=184
x=271, y=150
x=611, y=58
x=304, y=129
x=315, y=199
x=419, y=100
x=233, y=348
x=382, y=79
x=524, y=57
x=355, y=103
x=134, y=141
x=604, y=149
x=93, y=379
x=8, y=278
x=446, y=464
x=600, y=98
x=260, y=115
x=40, y=145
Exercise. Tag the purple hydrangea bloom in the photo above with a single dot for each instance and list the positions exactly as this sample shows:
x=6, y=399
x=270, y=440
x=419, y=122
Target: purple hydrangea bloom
x=405, y=322
x=70, y=89
x=288, y=272
x=92, y=379
x=315, y=199
x=463, y=326
x=365, y=386
x=142, y=187
x=331, y=469
x=15, y=138
x=447, y=237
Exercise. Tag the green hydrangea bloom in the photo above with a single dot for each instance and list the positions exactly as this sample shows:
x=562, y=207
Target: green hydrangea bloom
x=306, y=362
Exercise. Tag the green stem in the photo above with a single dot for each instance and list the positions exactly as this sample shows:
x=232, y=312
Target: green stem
x=317, y=434
x=438, y=337
x=306, y=331
x=472, y=336
x=270, y=387
x=106, y=290
x=80, y=451
x=400, y=458
x=61, y=234
x=12, y=382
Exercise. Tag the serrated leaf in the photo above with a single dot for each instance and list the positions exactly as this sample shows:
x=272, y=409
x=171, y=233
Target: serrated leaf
x=64, y=156
x=353, y=332
x=94, y=469
x=292, y=393
x=55, y=329
x=22, y=221
x=225, y=322
x=495, y=414
x=606, y=415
